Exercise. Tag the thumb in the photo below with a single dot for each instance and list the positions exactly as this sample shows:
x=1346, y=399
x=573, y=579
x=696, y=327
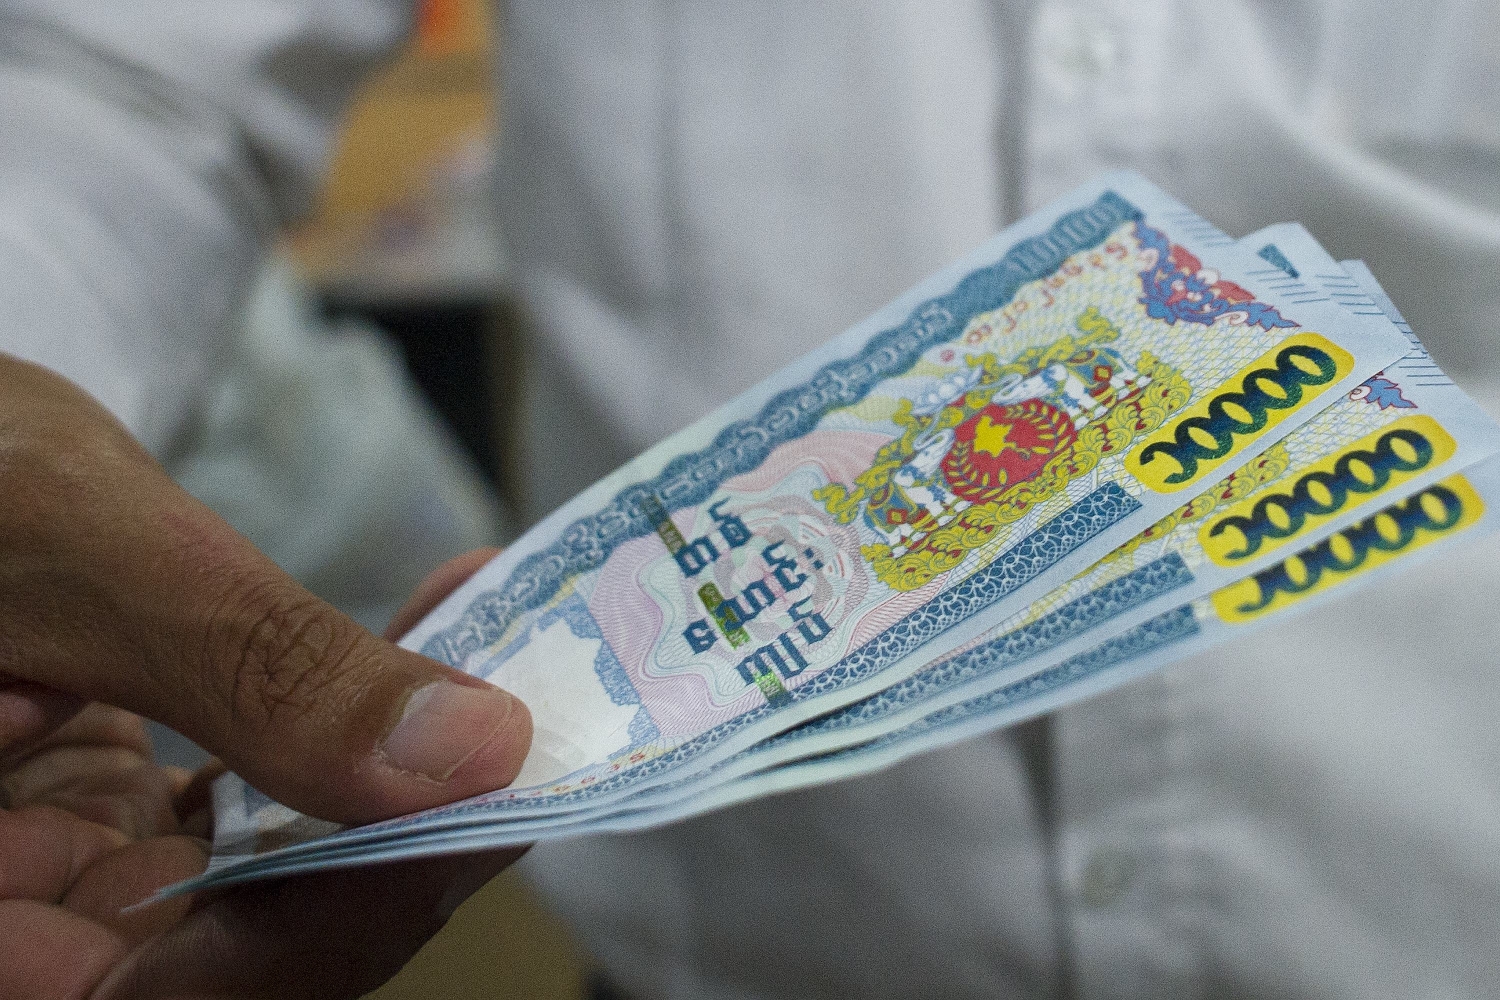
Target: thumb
x=120, y=587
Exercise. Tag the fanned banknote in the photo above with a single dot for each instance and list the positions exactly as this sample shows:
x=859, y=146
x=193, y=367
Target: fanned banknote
x=1393, y=435
x=1453, y=511
x=1390, y=438
x=888, y=499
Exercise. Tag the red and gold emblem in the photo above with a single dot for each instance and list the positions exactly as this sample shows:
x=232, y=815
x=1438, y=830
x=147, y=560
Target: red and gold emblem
x=1003, y=445
x=994, y=440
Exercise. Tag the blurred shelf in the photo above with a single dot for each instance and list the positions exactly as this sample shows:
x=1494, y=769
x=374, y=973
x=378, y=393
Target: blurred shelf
x=407, y=213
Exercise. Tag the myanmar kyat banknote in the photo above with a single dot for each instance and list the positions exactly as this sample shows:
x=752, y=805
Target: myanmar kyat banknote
x=957, y=454
x=1395, y=434
x=1392, y=436
x=1456, y=510
x=883, y=501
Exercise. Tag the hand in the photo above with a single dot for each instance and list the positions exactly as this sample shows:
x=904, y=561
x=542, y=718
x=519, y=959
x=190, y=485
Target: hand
x=118, y=588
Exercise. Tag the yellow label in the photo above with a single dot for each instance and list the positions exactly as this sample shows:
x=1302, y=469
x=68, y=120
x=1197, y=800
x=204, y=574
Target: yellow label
x=1187, y=449
x=1342, y=482
x=1441, y=509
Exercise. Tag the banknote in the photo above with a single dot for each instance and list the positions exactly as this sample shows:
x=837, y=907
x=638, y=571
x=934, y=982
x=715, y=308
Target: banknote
x=1453, y=511
x=1390, y=437
x=1397, y=432
x=882, y=502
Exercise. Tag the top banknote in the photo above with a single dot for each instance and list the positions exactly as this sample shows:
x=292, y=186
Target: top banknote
x=884, y=499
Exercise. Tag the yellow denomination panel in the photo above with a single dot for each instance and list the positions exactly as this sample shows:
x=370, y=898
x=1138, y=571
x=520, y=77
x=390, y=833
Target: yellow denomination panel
x=1188, y=448
x=1342, y=482
x=1441, y=509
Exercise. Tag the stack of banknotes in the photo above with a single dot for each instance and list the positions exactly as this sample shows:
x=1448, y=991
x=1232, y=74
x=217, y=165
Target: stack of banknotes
x=1110, y=438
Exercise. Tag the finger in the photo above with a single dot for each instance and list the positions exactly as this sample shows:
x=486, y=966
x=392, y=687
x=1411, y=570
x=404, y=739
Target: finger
x=194, y=803
x=29, y=713
x=119, y=587
x=197, y=792
x=332, y=935
x=46, y=850
x=110, y=786
x=179, y=779
x=439, y=584
x=99, y=767
x=50, y=954
x=99, y=725
x=119, y=879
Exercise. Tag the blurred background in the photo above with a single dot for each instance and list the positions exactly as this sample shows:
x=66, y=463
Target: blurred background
x=403, y=235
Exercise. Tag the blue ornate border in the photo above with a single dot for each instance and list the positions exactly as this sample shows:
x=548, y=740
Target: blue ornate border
x=1148, y=637
x=742, y=446
x=1115, y=598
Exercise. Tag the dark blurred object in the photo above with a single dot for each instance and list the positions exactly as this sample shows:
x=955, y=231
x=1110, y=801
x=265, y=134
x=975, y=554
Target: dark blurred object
x=600, y=988
x=447, y=347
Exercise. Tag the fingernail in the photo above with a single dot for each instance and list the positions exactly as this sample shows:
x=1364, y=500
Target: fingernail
x=444, y=725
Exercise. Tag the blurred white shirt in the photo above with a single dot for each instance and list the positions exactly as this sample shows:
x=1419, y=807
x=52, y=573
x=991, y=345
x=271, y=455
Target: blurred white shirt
x=696, y=193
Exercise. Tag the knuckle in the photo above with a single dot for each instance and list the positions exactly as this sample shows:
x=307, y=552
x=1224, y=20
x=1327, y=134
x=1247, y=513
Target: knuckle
x=285, y=653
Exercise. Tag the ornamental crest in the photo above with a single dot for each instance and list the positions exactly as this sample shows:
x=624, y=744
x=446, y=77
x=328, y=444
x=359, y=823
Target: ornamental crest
x=1178, y=287
x=993, y=440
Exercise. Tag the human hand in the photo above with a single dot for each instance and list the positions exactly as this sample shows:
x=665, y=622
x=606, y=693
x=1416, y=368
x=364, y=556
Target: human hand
x=117, y=587
x=94, y=826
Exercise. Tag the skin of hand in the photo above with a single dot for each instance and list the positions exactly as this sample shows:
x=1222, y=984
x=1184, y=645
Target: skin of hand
x=122, y=597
